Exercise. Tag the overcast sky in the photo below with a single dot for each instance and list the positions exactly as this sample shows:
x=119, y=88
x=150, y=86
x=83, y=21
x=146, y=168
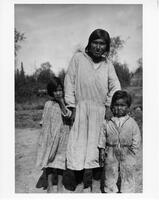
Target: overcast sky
x=54, y=31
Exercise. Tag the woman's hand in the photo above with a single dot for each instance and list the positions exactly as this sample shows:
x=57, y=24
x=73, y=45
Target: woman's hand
x=101, y=157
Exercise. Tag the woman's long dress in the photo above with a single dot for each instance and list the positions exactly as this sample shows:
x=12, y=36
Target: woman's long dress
x=89, y=90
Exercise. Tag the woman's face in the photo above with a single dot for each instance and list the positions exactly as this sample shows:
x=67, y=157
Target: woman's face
x=97, y=48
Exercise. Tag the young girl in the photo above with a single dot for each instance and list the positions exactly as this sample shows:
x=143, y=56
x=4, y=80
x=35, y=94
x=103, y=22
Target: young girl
x=53, y=138
x=119, y=142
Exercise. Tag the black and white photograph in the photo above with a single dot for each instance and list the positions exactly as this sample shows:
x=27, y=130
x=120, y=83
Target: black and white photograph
x=80, y=102
x=78, y=98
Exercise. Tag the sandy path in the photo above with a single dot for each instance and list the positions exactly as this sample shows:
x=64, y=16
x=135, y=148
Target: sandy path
x=26, y=175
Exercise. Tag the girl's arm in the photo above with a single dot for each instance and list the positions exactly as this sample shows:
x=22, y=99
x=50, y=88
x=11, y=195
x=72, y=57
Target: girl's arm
x=113, y=83
x=46, y=106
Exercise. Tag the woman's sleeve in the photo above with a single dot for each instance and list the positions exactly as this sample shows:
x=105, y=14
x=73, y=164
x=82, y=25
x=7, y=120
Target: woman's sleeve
x=113, y=83
x=69, y=83
x=102, y=136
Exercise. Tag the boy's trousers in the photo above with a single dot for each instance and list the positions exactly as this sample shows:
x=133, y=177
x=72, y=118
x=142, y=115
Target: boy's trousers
x=116, y=166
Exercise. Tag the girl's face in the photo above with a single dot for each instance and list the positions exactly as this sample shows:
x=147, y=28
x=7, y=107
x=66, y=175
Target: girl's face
x=97, y=48
x=120, y=108
x=58, y=93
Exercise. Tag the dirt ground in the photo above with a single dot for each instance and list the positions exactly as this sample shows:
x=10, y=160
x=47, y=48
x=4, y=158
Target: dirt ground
x=26, y=175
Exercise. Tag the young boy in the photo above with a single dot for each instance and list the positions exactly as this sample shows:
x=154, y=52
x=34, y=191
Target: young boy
x=119, y=142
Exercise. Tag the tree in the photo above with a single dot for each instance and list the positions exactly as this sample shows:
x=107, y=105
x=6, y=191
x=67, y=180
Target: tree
x=116, y=44
x=18, y=37
x=44, y=74
x=123, y=74
x=20, y=83
x=139, y=69
x=137, y=75
x=61, y=76
x=22, y=73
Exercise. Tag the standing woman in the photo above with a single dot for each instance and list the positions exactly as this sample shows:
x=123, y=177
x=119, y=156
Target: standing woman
x=90, y=83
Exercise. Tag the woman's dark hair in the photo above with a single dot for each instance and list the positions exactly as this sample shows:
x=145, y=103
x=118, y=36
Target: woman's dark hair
x=52, y=86
x=99, y=34
x=120, y=94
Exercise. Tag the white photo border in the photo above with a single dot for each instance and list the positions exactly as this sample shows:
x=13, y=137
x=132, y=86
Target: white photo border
x=150, y=103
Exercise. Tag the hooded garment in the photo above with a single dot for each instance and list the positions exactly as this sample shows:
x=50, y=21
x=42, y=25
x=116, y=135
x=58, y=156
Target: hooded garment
x=88, y=89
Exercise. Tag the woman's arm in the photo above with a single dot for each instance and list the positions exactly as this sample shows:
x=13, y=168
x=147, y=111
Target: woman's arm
x=69, y=86
x=69, y=83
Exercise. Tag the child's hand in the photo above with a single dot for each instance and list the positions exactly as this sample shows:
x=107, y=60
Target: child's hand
x=101, y=157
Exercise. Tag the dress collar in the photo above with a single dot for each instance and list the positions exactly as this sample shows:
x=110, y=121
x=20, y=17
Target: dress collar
x=120, y=121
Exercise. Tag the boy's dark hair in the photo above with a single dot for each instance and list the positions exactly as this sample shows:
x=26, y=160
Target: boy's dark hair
x=121, y=94
x=52, y=86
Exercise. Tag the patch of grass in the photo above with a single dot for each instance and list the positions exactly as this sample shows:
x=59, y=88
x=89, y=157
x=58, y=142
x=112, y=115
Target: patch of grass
x=35, y=103
x=28, y=118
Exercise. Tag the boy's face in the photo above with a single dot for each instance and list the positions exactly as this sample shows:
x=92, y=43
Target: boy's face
x=120, y=108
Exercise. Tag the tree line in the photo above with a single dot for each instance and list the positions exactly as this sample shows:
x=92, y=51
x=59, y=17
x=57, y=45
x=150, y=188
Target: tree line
x=27, y=86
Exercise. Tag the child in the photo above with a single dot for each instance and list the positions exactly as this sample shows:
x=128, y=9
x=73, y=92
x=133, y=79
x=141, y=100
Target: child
x=119, y=142
x=53, y=138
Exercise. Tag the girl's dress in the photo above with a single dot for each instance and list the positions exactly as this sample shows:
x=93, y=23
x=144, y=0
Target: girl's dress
x=120, y=137
x=53, y=138
x=88, y=88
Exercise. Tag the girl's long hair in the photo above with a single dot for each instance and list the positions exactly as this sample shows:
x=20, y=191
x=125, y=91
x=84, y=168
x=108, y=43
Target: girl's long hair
x=52, y=86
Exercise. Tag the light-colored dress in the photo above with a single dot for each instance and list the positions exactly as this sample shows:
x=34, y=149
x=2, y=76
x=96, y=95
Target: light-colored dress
x=89, y=89
x=120, y=137
x=52, y=143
